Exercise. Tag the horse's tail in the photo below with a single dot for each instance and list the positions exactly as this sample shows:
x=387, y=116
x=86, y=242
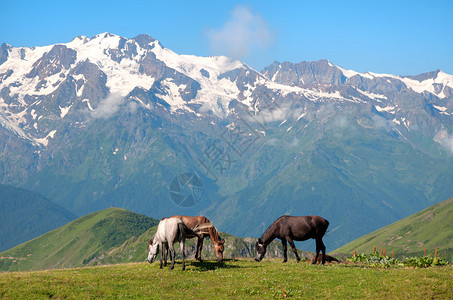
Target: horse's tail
x=185, y=232
x=202, y=228
x=326, y=224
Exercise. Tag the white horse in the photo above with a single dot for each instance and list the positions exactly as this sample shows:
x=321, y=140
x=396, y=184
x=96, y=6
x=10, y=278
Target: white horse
x=169, y=232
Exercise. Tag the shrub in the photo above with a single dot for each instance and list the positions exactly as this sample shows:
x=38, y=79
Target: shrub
x=375, y=260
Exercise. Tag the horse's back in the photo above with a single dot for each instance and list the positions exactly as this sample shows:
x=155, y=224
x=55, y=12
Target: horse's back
x=167, y=230
x=312, y=220
x=190, y=221
x=303, y=227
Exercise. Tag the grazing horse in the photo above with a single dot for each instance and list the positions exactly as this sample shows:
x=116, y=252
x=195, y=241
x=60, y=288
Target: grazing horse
x=290, y=229
x=170, y=231
x=218, y=243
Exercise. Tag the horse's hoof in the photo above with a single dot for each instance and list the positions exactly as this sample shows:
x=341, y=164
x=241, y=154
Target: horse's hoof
x=284, y=261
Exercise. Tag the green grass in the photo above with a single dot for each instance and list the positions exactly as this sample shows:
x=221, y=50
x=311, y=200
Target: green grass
x=233, y=278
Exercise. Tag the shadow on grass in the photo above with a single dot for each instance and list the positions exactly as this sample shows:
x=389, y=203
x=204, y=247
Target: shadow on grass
x=204, y=266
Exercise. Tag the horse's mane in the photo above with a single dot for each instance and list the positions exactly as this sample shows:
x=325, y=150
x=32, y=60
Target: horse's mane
x=213, y=233
x=271, y=227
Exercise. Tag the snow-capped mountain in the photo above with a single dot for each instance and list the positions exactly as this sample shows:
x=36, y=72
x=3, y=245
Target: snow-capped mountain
x=110, y=121
x=48, y=83
x=80, y=74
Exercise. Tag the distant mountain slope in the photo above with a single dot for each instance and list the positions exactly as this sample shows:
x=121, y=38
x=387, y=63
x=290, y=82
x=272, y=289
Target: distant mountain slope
x=432, y=228
x=25, y=215
x=76, y=243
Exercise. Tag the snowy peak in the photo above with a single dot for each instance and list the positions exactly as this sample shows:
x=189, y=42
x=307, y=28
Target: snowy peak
x=56, y=81
x=4, y=52
x=436, y=83
x=44, y=88
x=59, y=58
x=304, y=73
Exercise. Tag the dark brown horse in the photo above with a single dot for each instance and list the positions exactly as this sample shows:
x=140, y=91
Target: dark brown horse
x=191, y=222
x=290, y=229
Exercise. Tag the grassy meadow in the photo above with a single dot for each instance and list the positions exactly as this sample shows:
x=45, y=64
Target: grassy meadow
x=243, y=278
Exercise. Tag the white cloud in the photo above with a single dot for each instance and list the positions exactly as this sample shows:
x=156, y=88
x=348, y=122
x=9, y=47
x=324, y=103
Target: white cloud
x=241, y=34
x=277, y=114
x=381, y=122
x=132, y=107
x=448, y=143
x=108, y=106
x=446, y=140
x=341, y=122
x=280, y=142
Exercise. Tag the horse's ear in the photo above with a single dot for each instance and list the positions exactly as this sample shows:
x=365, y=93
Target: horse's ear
x=260, y=241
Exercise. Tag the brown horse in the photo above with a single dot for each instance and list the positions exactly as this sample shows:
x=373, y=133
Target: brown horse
x=290, y=229
x=191, y=222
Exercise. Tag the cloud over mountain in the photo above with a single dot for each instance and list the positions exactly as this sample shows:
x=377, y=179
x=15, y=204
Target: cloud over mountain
x=243, y=33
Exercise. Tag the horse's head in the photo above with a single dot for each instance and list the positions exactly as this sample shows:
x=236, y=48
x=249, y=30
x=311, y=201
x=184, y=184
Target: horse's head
x=218, y=250
x=260, y=250
x=153, y=248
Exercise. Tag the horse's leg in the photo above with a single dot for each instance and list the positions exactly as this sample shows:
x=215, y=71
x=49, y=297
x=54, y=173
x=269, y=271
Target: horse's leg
x=323, y=249
x=285, y=248
x=317, y=252
x=181, y=245
x=291, y=243
x=162, y=246
x=165, y=254
x=320, y=247
x=199, y=248
x=172, y=255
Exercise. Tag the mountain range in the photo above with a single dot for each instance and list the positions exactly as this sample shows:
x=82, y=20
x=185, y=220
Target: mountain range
x=111, y=121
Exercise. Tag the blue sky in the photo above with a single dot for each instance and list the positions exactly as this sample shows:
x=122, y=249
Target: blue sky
x=397, y=37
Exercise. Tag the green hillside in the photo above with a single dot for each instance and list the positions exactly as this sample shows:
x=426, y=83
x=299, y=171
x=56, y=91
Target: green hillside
x=431, y=228
x=25, y=215
x=78, y=242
